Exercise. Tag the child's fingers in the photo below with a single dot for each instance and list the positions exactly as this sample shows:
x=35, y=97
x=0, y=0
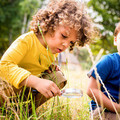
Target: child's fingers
x=57, y=68
x=50, y=94
x=57, y=89
x=54, y=91
x=48, y=89
x=53, y=67
x=50, y=68
x=45, y=94
x=47, y=71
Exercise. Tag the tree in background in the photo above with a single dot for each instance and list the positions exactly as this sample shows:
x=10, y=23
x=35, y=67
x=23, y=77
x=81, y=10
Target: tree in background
x=106, y=15
x=83, y=57
x=14, y=19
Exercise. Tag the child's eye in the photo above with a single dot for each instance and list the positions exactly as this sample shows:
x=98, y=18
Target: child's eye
x=71, y=42
x=64, y=36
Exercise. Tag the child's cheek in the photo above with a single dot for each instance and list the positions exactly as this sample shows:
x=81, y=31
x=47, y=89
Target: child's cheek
x=118, y=46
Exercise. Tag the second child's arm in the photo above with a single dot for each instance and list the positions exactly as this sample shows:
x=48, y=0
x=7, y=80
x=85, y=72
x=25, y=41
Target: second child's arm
x=93, y=91
x=44, y=86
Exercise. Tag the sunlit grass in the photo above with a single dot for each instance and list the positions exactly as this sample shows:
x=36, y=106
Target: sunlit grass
x=72, y=108
x=58, y=108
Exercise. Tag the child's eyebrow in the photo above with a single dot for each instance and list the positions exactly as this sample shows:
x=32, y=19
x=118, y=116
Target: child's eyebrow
x=67, y=32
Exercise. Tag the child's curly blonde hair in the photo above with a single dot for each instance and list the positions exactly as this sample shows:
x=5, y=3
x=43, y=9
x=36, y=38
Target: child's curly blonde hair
x=69, y=12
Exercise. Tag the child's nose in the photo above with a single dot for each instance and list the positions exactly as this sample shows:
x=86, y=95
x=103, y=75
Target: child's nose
x=66, y=44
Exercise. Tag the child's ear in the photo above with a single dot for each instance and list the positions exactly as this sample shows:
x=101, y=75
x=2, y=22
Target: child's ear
x=115, y=41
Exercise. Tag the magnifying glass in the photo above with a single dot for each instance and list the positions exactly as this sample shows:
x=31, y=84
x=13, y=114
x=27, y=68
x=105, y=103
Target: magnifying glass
x=72, y=93
x=69, y=92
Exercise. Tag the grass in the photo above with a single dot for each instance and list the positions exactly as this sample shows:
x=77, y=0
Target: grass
x=61, y=108
x=57, y=108
x=72, y=108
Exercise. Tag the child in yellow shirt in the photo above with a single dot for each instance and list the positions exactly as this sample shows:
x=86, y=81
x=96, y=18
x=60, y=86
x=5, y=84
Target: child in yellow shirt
x=62, y=24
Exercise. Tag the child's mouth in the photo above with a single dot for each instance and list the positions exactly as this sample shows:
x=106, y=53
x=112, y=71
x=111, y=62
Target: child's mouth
x=59, y=50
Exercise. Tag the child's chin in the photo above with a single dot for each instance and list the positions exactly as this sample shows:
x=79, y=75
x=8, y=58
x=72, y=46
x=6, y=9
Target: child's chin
x=54, y=52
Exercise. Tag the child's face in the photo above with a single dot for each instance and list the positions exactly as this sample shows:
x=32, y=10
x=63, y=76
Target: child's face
x=61, y=39
x=117, y=40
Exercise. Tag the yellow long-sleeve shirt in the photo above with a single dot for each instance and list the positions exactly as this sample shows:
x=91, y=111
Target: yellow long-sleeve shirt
x=25, y=56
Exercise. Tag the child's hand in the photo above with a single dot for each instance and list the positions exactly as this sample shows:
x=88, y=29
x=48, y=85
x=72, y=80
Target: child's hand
x=53, y=68
x=47, y=88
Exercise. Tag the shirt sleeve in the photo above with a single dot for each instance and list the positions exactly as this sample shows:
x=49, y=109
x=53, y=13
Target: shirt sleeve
x=10, y=70
x=103, y=67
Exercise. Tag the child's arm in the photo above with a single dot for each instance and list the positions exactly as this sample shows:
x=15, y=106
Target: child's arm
x=45, y=87
x=100, y=97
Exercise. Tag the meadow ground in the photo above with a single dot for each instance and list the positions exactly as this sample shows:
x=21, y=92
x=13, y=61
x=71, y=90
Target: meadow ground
x=61, y=108
x=57, y=108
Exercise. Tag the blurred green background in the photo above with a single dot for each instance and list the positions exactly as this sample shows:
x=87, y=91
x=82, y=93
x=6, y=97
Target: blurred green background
x=15, y=16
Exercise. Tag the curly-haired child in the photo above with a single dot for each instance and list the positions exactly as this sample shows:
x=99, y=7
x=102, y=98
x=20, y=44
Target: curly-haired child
x=62, y=24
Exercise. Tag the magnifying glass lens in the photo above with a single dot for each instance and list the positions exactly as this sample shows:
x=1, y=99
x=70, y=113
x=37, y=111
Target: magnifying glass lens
x=72, y=93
